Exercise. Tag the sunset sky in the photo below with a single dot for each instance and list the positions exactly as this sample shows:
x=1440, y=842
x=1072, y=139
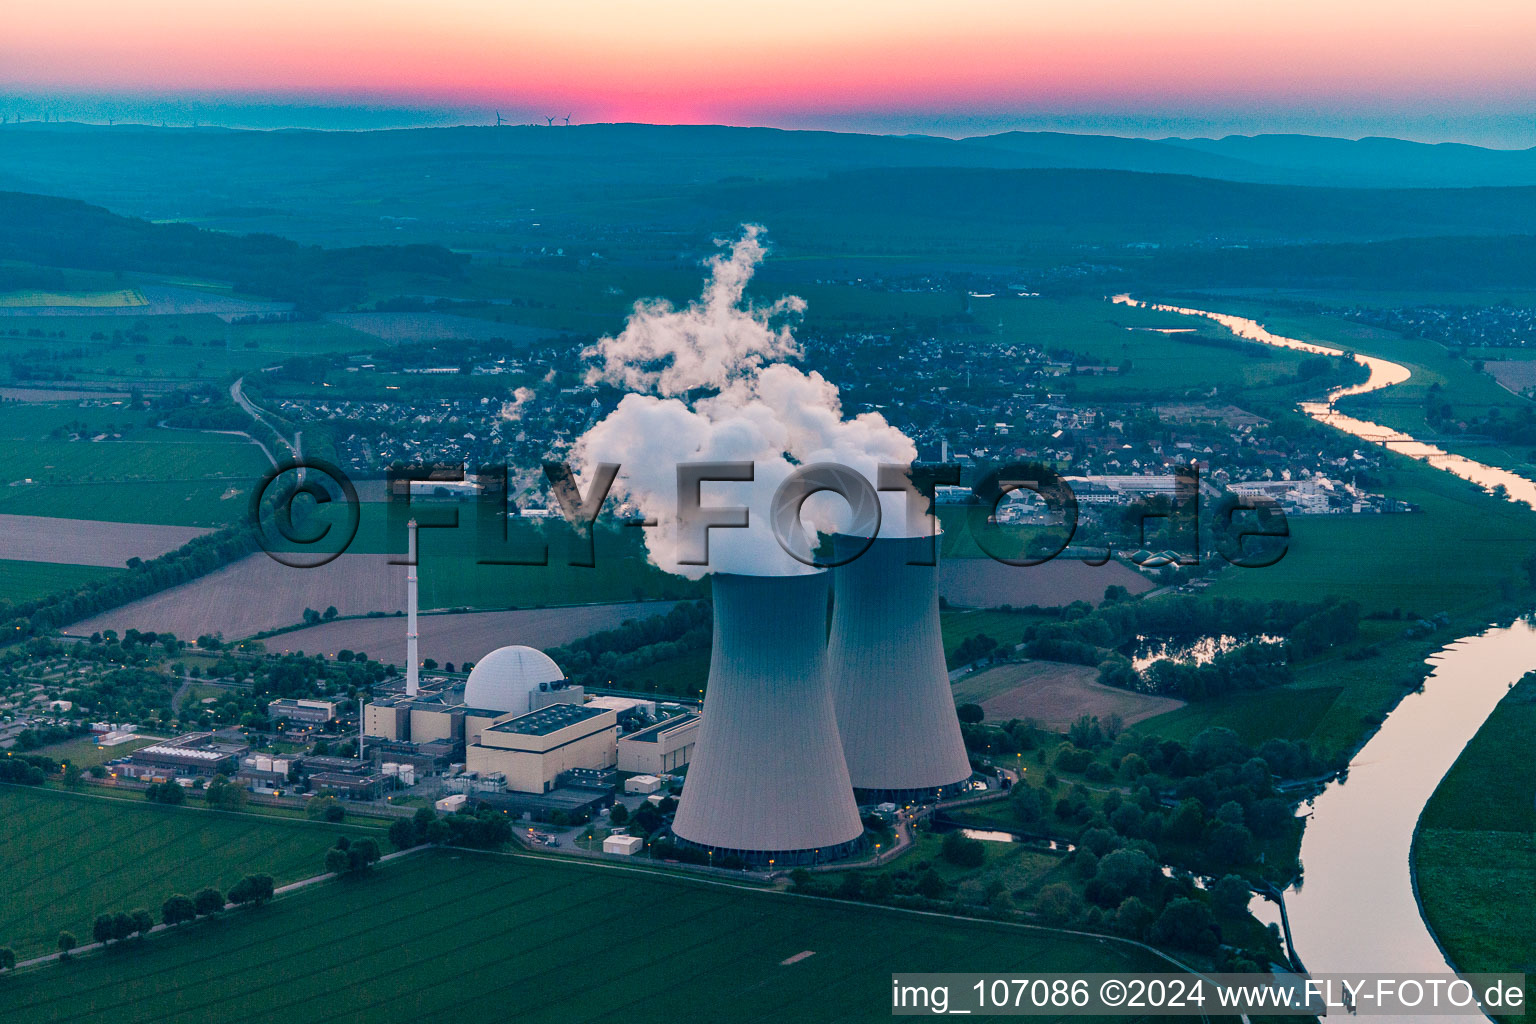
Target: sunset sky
x=1434, y=71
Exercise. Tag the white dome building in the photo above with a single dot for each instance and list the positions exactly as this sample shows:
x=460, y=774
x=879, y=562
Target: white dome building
x=518, y=679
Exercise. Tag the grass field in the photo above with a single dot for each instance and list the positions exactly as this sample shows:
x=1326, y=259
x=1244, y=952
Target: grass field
x=475, y=937
x=23, y=581
x=67, y=857
x=1475, y=850
x=1161, y=364
x=84, y=751
x=118, y=299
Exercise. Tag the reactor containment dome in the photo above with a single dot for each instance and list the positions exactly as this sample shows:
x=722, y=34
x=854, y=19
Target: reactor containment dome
x=508, y=677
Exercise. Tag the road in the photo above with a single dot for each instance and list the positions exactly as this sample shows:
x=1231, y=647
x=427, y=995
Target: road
x=237, y=394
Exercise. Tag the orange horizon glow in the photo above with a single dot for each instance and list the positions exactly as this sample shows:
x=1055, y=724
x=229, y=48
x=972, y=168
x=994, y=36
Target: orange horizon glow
x=751, y=62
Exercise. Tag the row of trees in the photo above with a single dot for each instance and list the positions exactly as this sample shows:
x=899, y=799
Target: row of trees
x=484, y=829
x=252, y=890
x=196, y=558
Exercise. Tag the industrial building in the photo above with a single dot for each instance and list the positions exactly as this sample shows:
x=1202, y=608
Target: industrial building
x=531, y=751
x=308, y=712
x=195, y=755
x=890, y=684
x=508, y=681
x=659, y=749
x=768, y=781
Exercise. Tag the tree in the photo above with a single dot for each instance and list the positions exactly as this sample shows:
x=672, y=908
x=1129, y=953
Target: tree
x=930, y=885
x=619, y=814
x=402, y=834
x=177, y=909
x=1057, y=903
x=1185, y=924
x=326, y=808
x=122, y=925
x=255, y=889
x=142, y=922
x=208, y=901
x=66, y=943
x=962, y=850
x=1133, y=918
x=7, y=958
x=970, y=714
x=363, y=854
x=1230, y=894
x=224, y=795
x=101, y=931
x=336, y=861
x=72, y=776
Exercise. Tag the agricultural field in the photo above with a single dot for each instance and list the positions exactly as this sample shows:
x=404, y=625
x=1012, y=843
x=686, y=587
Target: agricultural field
x=68, y=857
x=1475, y=848
x=987, y=583
x=1161, y=364
x=25, y=580
x=120, y=299
x=466, y=636
x=472, y=936
x=86, y=541
x=1055, y=695
x=170, y=348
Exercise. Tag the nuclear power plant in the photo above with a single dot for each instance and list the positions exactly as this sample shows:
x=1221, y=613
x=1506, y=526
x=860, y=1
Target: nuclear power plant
x=890, y=685
x=768, y=780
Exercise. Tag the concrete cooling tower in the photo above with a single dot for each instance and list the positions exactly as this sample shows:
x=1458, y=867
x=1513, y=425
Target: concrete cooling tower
x=767, y=780
x=890, y=685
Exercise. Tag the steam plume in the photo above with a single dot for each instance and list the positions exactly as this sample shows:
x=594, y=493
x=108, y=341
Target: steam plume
x=708, y=382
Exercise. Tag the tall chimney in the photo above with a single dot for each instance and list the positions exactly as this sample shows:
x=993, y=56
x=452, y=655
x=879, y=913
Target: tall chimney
x=890, y=685
x=412, y=673
x=767, y=781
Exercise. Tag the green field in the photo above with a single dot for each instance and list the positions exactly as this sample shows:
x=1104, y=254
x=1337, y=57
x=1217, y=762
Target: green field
x=67, y=857
x=1163, y=365
x=118, y=299
x=24, y=581
x=1475, y=850
x=472, y=937
x=162, y=349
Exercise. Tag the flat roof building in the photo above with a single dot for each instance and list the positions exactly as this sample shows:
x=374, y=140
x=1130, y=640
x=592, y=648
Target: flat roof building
x=532, y=750
x=660, y=749
x=310, y=712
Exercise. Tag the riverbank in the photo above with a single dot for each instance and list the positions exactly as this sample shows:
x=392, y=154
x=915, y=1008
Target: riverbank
x=1474, y=850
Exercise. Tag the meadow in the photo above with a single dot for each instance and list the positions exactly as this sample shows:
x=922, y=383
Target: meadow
x=24, y=581
x=1475, y=849
x=67, y=857
x=482, y=937
x=1162, y=365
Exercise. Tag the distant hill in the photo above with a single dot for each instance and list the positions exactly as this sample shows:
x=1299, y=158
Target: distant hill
x=54, y=232
x=648, y=191
x=918, y=206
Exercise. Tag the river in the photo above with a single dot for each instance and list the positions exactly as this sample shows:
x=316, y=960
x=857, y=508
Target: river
x=1383, y=373
x=1355, y=908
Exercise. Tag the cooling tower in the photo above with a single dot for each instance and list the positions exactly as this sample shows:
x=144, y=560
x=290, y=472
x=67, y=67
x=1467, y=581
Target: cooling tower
x=767, y=780
x=890, y=685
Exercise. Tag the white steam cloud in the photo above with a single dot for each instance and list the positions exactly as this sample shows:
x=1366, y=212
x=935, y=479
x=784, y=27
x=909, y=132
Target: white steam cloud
x=708, y=384
x=513, y=410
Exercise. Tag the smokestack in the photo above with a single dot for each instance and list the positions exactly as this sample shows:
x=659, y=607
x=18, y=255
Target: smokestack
x=412, y=674
x=890, y=685
x=768, y=781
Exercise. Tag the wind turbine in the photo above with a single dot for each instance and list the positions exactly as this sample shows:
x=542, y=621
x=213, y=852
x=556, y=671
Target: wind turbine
x=551, y=119
x=498, y=119
x=568, y=120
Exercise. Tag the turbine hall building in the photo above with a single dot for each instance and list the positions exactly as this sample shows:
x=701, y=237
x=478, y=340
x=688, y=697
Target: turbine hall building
x=768, y=782
x=889, y=681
